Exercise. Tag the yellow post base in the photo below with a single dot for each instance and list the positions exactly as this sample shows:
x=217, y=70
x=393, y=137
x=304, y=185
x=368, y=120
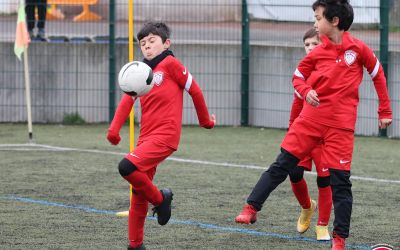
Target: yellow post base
x=122, y=214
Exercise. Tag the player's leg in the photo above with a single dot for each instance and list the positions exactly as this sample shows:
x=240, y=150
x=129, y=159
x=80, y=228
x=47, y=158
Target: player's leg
x=30, y=16
x=342, y=202
x=298, y=143
x=324, y=208
x=299, y=186
x=133, y=168
x=324, y=194
x=339, y=156
x=137, y=216
x=300, y=190
x=268, y=181
x=42, y=9
x=140, y=182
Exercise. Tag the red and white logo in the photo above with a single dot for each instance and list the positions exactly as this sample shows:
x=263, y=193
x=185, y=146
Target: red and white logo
x=382, y=247
x=350, y=57
x=158, y=78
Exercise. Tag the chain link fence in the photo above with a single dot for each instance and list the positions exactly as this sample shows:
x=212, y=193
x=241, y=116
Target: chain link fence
x=72, y=72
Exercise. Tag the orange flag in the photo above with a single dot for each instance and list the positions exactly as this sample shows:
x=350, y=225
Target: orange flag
x=22, y=38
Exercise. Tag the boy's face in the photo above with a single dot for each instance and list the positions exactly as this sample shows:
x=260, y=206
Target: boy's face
x=310, y=43
x=322, y=25
x=152, y=46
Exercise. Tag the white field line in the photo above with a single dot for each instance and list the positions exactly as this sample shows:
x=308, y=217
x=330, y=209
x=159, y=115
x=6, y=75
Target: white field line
x=43, y=147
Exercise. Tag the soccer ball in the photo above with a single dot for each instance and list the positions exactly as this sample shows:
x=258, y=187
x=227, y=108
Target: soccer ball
x=135, y=78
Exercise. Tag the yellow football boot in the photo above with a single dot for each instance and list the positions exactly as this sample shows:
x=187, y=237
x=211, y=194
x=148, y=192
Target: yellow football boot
x=305, y=217
x=322, y=232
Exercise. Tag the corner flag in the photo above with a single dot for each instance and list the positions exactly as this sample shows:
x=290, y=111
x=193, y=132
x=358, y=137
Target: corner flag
x=22, y=38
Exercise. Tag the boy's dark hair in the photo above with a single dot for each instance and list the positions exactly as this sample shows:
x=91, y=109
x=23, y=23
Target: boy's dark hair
x=310, y=33
x=337, y=8
x=155, y=28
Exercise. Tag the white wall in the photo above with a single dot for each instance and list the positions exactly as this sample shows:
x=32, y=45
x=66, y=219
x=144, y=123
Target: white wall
x=182, y=10
x=8, y=6
x=365, y=11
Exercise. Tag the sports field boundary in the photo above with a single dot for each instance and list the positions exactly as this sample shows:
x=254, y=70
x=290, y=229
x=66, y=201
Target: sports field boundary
x=44, y=147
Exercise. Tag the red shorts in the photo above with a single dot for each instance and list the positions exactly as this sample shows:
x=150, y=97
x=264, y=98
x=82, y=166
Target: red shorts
x=304, y=135
x=315, y=157
x=148, y=154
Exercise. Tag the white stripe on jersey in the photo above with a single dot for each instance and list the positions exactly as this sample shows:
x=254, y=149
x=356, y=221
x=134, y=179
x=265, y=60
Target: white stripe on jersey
x=376, y=68
x=298, y=74
x=298, y=95
x=188, y=82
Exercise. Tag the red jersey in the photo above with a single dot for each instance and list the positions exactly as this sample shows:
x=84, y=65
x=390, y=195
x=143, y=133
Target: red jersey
x=335, y=72
x=162, y=107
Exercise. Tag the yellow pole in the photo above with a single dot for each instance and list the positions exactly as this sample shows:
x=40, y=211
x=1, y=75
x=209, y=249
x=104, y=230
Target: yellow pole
x=131, y=56
x=132, y=113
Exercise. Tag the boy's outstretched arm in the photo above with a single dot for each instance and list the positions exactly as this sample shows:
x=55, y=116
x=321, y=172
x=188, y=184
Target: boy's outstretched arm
x=377, y=74
x=120, y=116
x=205, y=120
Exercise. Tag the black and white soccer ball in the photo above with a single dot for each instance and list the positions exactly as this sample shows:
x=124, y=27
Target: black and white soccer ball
x=135, y=78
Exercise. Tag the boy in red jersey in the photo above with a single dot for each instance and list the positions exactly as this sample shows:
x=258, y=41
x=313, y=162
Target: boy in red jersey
x=160, y=128
x=298, y=183
x=328, y=79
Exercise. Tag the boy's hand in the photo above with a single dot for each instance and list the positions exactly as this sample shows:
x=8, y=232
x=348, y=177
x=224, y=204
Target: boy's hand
x=113, y=137
x=213, y=119
x=312, y=98
x=384, y=123
x=211, y=123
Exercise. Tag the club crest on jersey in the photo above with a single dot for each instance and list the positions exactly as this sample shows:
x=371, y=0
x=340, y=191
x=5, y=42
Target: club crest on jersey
x=158, y=78
x=382, y=247
x=350, y=57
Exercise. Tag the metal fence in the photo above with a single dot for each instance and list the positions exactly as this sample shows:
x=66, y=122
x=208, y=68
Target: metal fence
x=71, y=72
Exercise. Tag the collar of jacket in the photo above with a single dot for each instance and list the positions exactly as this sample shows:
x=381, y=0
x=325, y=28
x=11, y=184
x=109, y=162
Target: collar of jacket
x=347, y=41
x=156, y=60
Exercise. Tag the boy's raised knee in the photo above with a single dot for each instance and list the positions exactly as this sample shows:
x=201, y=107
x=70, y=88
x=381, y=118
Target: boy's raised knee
x=126, y=167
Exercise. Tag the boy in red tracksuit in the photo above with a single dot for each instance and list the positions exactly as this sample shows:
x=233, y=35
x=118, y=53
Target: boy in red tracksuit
x=160, y=128
x=328, y=79
x=298, y=183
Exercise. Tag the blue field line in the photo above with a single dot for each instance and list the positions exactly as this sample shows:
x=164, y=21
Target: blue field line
x=179, y=222
x=56, y=204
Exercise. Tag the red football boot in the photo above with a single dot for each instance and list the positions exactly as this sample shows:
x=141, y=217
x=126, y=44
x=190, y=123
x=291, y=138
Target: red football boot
x=338, y=242
x=247, y=216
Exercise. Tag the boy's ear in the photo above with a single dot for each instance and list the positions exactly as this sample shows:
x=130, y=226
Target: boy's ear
x=167, y=43
x=335, y=21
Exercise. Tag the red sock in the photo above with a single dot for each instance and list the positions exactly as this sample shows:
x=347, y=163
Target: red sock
x=136, y=219
x=324, y=205
x=142, y=184
x=300, y=190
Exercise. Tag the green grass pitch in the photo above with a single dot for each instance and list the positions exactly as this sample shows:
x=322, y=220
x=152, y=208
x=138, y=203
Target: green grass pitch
x=65, y=199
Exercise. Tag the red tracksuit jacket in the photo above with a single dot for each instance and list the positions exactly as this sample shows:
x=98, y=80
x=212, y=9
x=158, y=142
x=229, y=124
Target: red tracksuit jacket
x=335, y=72
x=162, y=107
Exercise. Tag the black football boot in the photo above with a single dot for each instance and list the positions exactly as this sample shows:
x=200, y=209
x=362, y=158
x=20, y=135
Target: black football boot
x=164, y=209
x=141, y=247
